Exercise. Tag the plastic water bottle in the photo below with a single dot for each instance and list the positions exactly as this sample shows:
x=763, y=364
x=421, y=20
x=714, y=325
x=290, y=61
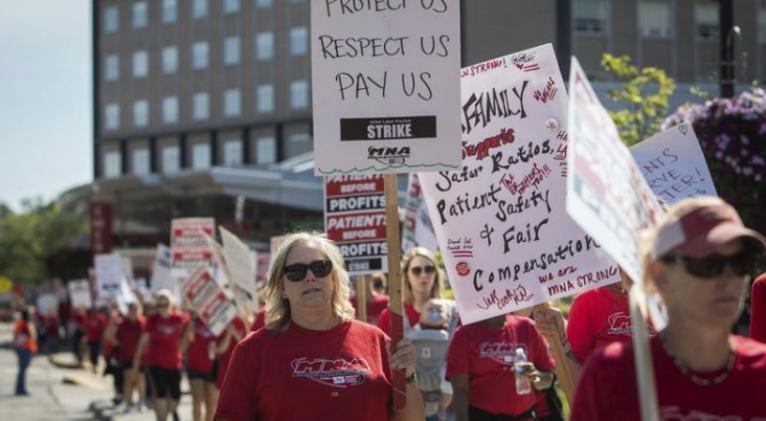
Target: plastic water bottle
x=523, y=385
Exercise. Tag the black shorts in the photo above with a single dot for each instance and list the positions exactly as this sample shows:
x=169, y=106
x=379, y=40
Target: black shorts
x=166, y=382
x=210, y=376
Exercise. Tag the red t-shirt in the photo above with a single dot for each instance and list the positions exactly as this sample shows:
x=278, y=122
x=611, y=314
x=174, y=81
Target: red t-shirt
x=375, y=308
x=128, y=334
x=487, y=355
x=301, y=374
x=23, y=336
x=384, y=322
x=164, y=334
x=758, y=309
x=199, y=358
x=260, y=320
x=79, y=319
x=223, y=359
x=94, y=326
x=607, y=388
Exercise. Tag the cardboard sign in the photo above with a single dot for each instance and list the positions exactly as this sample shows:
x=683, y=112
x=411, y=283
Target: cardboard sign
x=606, y=193
x=208, y=299
x=673, y=165
x=417, y=229
x=188, y=246
x=242, y=270
x=501, y=222
x=385, y=86
x=262, y=262
x=79, y=294
x=109, y=275
x=355, y=219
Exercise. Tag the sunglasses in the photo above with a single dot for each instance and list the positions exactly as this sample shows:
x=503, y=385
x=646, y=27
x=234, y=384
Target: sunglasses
x=297, y=271
x=741, y=264
x=417, y=270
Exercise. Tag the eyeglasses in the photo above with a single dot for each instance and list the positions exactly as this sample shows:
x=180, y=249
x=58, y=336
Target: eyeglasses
x=417, y=270
x=741, y=264
x=297, y=271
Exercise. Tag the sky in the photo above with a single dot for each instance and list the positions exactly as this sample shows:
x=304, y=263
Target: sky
x=45, y=98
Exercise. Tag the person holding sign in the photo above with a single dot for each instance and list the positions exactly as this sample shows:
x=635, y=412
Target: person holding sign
x=698, y=258
x=125, y=336
x=313, y=348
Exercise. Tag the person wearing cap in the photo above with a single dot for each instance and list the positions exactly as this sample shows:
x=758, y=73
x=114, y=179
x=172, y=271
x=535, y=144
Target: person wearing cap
x=758, y=309
x=313, y=360
x=698, y=259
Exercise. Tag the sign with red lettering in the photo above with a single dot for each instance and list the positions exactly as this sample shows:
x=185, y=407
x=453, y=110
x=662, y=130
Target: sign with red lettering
x=355, y=218
x=188, y=246
x=208, y=298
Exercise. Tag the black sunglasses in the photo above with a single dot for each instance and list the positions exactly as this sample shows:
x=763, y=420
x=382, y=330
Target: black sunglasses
x=297, y=271
x=417, y=270
x=741, y=264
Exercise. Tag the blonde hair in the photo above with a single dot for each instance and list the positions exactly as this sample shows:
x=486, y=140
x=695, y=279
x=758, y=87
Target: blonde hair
x=436, y=289
x=278, y=314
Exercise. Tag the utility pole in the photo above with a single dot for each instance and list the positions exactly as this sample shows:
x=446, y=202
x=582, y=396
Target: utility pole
x=726, y=42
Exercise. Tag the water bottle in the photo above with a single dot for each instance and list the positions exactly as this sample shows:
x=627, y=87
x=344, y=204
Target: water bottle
x=523, y=385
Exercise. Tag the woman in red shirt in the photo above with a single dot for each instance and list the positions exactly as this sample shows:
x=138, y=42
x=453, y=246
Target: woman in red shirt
x=125, y=338
x=25, y=339
x=698, y=258
x=95, y=324
x=312, y=348
x=201, y=368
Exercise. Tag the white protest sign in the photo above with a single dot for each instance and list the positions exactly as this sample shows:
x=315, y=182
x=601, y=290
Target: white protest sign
x=161, y=275
x=501, y=222
x=385, y=86
x=673, y=164
x=241, y=269
x=109, y=275
x=417, y=229
x=262, y=262
x=606, y=193
x=209, y=300
x=188, y=246
x=47, y=304
x=79, y=294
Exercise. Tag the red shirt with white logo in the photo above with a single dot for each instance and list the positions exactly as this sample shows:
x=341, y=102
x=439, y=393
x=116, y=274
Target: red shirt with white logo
x=607, y=388
x=758, y=309
x=94, y=326
x=128, y=334
x=487, y=355
x=225, y=358
x=384, y=322
x=164, y=336
x=301, y=374
x=199, y=358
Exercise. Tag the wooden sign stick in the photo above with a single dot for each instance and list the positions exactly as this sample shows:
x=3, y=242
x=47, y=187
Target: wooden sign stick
x=647, y=386
x=361, y=298
x=395, y=283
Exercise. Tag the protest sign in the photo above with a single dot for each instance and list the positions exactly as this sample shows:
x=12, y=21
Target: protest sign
x=355, y=219
x=208, y=299
x=188, y=246
x=161, y=275
x=673, y=164
x=500, y=221
x=385, y=86
x=241, y=269
x=79, y=294
x=417, y=229
x=606, y=193
x=109, y=275
x=262, y=262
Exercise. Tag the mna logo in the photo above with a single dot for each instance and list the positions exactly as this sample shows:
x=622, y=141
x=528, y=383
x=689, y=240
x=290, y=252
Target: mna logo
x=390, y=155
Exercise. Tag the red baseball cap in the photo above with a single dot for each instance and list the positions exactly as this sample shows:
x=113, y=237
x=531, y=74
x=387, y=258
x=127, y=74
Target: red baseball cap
x=700, y=231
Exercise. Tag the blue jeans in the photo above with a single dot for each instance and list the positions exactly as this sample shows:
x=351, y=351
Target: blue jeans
x=25, y=357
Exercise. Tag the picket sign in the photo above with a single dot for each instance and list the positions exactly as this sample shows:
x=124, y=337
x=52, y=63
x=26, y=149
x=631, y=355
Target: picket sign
x=209, y=300
x=241, y=267
x=361, y=298
x=79, y=294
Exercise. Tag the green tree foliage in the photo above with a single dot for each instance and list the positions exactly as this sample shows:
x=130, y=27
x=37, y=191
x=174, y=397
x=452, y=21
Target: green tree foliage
x=644, y=93
x=30, y=237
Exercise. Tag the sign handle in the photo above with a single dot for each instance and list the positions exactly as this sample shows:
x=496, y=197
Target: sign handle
x=394, y=283
x=647, y=389
x=564, y=375
x=361, y=298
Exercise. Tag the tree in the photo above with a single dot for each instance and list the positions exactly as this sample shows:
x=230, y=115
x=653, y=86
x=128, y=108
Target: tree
x=645, y=92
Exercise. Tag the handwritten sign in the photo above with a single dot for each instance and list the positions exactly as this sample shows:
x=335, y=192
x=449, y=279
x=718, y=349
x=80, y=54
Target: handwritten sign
x=209, y=300
x=109, y=275
x=355, y=219
x=385, y=85
x=673, y=164
x=241, y=269
x=79, y=294
x=417, y=229
x=606, y=193
x=501, y=221
x=188, y=246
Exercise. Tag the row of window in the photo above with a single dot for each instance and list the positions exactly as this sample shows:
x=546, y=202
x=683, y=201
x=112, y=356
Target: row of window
x=200, y=53
x=169, y=12
x=200, y=107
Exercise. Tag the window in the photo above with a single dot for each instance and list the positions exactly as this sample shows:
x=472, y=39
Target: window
x=112, y=164
x=231, y=50
x=200, y=109
x=112, y=116
x=170, y=59
x=230, y=6
x=266, y=150
x=298, y=41
x=170, y=109
x=112, y=67
x=201, y=156
x=139, y=14
x=262, y=4
x=264, y=98
x=171, y=159
x=299, y=94
x=140, y=161
x=762, y=21
x=589, y=16
x=140, y=113
x=231, y=103
x=706, y=18
x=654, y=18
x=199, y=9
x=264, y=46
x=232, y=153
x=300, y=139
x=140, y=63
x=199, y=55
x=111, y=19
x=169, y=14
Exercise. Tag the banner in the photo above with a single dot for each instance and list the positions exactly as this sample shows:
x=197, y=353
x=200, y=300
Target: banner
x=606, y=193
x=208, y=299
x=101, y=221
x=417, y=229
x=385, y=86
x=79, y=294
x=673, y=164
x=241, y=269
x=500, y=221
x=109, y=275
x=188, y=246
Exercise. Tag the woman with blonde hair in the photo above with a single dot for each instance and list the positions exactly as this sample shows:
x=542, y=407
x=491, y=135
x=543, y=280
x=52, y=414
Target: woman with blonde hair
x=313, y=360
x=698, y=259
